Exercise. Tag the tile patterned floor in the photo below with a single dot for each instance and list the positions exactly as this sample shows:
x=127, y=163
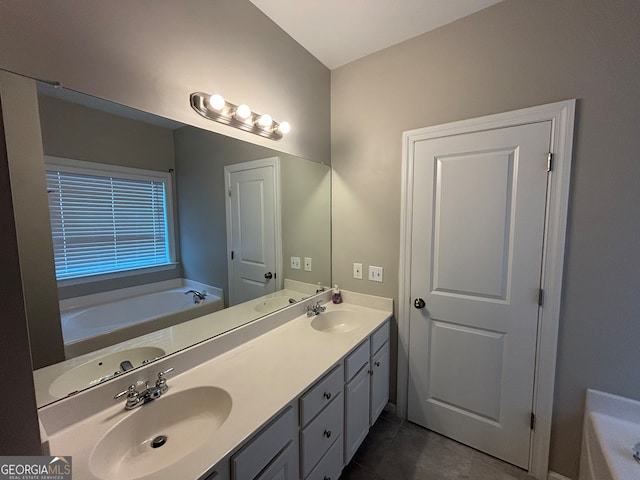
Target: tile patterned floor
x=397, y=450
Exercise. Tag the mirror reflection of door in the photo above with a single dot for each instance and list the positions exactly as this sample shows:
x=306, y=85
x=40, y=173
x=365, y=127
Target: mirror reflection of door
x=253, y=226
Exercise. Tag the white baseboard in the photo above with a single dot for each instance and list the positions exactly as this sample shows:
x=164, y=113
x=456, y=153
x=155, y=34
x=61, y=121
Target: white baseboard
x=556, y=476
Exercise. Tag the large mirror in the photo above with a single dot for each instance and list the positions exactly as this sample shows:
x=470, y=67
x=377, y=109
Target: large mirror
x=244, y=231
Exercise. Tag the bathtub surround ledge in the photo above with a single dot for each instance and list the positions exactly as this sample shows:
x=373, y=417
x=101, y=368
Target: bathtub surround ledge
x=100, y=320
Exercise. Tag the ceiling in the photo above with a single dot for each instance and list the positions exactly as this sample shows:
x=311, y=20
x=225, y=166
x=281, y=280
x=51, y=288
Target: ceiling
x=337, y=32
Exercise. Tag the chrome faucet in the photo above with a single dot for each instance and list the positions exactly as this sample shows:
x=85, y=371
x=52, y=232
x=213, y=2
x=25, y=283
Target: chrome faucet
x=317, y=309
x=197, y=296
x=137, y=398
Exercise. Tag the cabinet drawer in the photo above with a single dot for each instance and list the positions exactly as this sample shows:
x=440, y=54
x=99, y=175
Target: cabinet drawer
x=379, y=337
x=321, y=394
x=356, y=360
x=264, y=447
x=321, y=433
x=330, y=467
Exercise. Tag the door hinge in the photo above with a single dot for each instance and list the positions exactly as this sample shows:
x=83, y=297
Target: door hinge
x=533, y=421
x=540, y=297
x=232, y=255
x=549, y=161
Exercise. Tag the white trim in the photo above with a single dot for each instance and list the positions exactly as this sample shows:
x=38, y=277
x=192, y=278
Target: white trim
x=561, y=114
x=119, y=274
x=556, y=476
x=237, y=167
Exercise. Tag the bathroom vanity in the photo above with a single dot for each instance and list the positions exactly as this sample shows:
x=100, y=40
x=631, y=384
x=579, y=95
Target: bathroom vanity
x=287, y=396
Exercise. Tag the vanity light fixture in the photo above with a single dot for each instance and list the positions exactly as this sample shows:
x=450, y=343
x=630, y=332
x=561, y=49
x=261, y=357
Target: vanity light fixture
x=215, y=107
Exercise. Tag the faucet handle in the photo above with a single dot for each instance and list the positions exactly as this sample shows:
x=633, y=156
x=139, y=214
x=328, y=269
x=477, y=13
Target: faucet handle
x=162, y=374
x=161, y=382
x=129, y=392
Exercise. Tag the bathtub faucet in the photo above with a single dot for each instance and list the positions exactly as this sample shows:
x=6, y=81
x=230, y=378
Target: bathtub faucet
x=197, y=296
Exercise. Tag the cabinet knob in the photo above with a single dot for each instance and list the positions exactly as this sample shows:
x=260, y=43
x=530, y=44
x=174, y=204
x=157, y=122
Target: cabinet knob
x=377, y=364
x=327, y=395
x=327, y=433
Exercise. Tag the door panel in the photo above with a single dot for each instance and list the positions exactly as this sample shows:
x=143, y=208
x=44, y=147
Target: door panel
x=252, y=227
x=472, y=191
x=477, y=233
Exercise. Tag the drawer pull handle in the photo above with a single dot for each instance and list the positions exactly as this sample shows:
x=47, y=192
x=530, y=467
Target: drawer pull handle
x=327, y=395
x=327, y=433
x=327, y=478
x=377, y=364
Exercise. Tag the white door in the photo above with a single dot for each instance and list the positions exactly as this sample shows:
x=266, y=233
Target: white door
x=253, y=229
x=477, y=239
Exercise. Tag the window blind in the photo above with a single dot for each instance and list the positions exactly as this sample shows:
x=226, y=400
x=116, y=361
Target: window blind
x=104, y=224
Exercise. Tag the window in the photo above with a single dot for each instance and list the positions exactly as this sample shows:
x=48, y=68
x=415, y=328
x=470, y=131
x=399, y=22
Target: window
x=107, y=219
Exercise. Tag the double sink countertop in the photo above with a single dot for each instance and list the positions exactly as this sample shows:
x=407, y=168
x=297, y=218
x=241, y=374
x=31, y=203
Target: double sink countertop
x=262, y=375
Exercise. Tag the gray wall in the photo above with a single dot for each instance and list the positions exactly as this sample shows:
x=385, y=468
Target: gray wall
x=153, y=55
x=306, y=219
x=31, y=213
x=19, y=419
x=77, y=132
x=515, y=54
x=305, y=186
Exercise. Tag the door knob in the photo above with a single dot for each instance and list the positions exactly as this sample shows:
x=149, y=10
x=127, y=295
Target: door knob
x=268, y=275
x=419, y=303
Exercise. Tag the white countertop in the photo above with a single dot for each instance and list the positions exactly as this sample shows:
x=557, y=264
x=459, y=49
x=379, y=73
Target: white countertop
x=262, y=376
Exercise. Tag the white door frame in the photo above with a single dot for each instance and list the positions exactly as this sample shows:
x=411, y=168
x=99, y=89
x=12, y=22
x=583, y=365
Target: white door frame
x=561, y=114
x=237, y=167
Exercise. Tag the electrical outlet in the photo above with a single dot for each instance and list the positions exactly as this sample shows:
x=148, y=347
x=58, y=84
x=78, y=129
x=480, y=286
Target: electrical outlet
x=307, y=264
x=357, y=271
x=375, y=273
x=295, y=263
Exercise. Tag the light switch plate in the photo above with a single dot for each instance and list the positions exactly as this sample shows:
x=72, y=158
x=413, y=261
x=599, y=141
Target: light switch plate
x=357, y=271
x=295, y=263
x=375, y=273
x=307, y=264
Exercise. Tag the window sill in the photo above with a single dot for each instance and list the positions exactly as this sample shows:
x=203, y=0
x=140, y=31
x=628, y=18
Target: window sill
x=108, y=276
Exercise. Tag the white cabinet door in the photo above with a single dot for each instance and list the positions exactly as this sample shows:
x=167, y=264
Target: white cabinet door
x=264, y=450
x=356, y=412
x=283, y=467
x=379, y=382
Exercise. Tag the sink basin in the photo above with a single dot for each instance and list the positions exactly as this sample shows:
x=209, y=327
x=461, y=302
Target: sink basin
x=335, y=321
x=91, y=372
x=187, y=419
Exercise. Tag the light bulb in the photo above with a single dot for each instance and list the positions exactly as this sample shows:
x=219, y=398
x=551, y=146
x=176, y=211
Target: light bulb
x=265, y=120
x=243, y=111
x=217, y=102
x=284, y=128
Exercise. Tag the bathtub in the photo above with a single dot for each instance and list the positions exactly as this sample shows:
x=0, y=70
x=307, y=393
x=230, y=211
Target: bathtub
x=97, y=321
